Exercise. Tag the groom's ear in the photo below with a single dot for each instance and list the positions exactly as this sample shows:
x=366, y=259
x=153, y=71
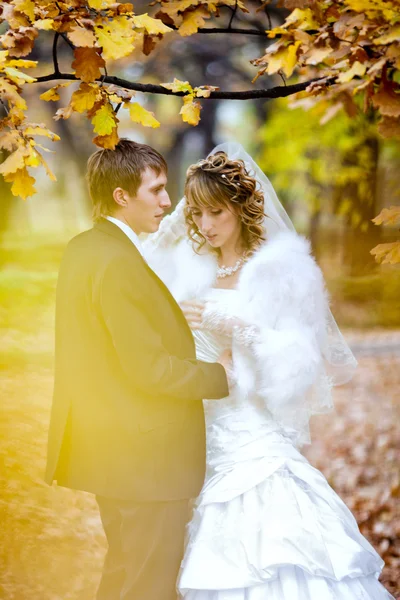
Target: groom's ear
x=119, y=197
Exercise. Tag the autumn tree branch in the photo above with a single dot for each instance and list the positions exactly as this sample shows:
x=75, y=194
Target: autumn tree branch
x=233, y=15
x=55, y=58
x=226, y=30
x=149, y=88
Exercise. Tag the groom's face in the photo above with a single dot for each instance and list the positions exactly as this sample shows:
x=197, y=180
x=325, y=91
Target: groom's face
x=145, y=210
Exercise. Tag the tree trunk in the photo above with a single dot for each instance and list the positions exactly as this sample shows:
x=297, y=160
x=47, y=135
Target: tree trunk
x=360, y=234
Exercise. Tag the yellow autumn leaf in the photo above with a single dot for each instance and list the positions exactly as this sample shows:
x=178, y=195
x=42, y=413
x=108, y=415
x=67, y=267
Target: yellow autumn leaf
x=303, y=18
x=178, y=86
x=152, y=26
x=104, y=120
x=388, y=216
x=192, y=20
x=99, y=4
x=38, y=130
x=16, y=116
x=9, y=92
x=116, y=37
x=85, y=97
x=285, y=59
x=44, y=24
x=18, y=76
x=22, y=183
x=234, y=3
x=22, y=64
x=15, y=161
x=172, y=8
x=87, y=64
x=375, y=8
x=27, y=7
x=272, y=33
x=357, y=69
x=32, y=159
x=204, y=91
x=393, y=35
x=47, y=168
x=115, y=98
x=82, y=37
x=190, y=111
x=37, y=145
x=3, y=56
x=140, y=115
x=52, y=94
x=315, y=56
x=387, y=253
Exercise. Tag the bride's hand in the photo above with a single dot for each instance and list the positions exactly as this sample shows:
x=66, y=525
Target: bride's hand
x=193, y=312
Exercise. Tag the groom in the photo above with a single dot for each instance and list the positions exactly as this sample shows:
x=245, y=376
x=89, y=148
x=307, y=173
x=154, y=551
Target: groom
x=127, y=420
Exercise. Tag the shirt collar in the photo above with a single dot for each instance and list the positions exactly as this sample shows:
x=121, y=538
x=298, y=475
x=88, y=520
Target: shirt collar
x=128, y=231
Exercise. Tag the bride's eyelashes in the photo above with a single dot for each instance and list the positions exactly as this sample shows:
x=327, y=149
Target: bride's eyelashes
x=217, y=211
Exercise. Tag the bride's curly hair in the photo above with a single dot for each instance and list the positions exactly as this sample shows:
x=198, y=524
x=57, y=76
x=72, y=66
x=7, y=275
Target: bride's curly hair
x=218, y=180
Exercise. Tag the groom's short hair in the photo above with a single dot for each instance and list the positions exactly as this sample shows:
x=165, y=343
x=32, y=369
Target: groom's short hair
x=122, y=167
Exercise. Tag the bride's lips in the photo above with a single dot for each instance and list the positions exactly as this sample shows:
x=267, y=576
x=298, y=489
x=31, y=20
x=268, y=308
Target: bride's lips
x=210, y=238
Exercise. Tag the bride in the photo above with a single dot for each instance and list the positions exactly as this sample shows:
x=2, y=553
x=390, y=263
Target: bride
x=266, y=526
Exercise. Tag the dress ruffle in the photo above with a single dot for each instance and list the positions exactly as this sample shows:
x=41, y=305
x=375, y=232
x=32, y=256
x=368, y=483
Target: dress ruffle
x=294, y=584
x=271, y=528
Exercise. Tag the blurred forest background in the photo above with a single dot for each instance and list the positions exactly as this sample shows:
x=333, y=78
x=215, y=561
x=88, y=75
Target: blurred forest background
x=333, y=178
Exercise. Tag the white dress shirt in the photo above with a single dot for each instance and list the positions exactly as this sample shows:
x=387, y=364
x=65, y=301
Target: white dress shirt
x=128, y=231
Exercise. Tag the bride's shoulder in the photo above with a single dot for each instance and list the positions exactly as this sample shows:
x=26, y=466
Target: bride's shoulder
x=285, y=258
x=285, y=245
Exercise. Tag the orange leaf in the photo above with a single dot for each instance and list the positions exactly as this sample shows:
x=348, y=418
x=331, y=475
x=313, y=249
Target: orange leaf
x=387, y=101
x=388, y=216
x=87, y=64
x=389, y=127
x=82, y=37
x=387, y=253
x=192, y=20
x=9, y=139
x=107, y=141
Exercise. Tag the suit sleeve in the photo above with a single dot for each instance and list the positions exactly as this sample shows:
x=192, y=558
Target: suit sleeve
x=142, y=355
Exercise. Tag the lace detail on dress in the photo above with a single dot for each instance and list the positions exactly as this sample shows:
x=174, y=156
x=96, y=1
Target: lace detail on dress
x=216, y=318
x=246, y=335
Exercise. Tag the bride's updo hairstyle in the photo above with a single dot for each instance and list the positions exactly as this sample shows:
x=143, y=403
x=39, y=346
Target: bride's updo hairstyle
x=218, y=180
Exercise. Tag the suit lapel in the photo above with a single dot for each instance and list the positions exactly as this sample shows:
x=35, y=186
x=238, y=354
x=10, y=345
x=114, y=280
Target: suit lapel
x=111, y=229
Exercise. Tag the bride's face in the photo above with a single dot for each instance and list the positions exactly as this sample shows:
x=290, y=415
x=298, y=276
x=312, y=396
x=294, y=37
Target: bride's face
x=219, y=225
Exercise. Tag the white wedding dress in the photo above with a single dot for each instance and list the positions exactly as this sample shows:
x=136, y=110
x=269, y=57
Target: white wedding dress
x=267, y=525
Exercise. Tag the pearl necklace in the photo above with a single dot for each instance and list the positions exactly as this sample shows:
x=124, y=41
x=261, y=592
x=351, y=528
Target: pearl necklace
x=224, y=271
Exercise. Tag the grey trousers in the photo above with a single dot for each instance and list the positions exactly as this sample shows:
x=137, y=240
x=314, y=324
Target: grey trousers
x=145, y=549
